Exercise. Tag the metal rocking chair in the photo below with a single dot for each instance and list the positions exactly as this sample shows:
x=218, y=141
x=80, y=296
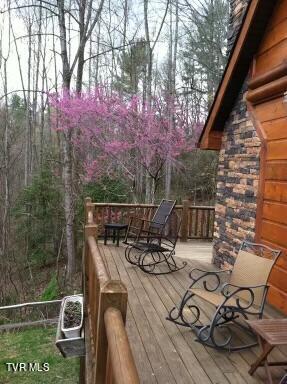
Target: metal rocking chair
x=153, y=242
x=243, y=296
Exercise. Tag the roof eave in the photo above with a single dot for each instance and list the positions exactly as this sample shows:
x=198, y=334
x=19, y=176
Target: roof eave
x=246, y=45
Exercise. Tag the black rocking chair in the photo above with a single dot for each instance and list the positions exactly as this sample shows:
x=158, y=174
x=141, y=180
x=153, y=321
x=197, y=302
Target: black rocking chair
x=151, y=244
x=242, y=297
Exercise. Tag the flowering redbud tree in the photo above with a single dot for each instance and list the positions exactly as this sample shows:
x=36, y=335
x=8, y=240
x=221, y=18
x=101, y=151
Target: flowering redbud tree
x=115, y=136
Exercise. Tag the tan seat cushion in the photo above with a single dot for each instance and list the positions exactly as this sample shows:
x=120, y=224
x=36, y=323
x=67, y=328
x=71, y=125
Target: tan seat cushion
x=215, y=298
x=251, y=270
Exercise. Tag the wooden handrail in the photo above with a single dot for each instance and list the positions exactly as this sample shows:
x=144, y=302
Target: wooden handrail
x=101, y=271
x=124, y=205
x=102, y=295
x=121, y=358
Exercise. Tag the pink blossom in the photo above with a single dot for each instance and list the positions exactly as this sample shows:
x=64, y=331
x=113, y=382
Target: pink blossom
x=111, y=134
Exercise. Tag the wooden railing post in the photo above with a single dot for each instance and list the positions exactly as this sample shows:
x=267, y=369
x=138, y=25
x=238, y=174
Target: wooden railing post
x=91, y=228
x=112, y=294
x=89, y=207
x=184, y=221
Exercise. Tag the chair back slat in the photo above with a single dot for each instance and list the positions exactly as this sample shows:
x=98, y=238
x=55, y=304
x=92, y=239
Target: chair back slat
x=162, y=213
x=171, y=231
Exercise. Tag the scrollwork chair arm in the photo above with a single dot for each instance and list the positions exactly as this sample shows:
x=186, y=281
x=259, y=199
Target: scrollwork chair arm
x=206, y=273
x=238, y=288
x=233, y=291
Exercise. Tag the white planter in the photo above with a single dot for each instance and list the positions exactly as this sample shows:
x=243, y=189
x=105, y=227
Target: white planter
x=74, y=331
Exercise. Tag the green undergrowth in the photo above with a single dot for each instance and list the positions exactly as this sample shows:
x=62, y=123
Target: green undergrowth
x=35, y=345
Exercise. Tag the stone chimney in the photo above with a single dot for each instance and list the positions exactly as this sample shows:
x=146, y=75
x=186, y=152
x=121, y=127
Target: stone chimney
x=237, y=11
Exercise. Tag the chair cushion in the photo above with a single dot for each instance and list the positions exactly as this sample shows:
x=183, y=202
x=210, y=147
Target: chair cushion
x=215, y=298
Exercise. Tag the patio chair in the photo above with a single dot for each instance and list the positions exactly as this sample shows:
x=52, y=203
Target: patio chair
x=153, y=249
x=141, y=228
x=239, y=299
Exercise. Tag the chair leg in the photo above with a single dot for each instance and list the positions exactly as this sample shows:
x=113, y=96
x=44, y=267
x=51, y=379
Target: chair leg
x=217, y=334
x=262, y=359
x=118, y=238
x=106, y=236
x=212, y=335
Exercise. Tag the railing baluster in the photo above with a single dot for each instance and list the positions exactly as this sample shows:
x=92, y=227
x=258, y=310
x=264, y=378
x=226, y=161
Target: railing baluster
x=184, y=221
x=189, y=234
x=196, y=223
x=201, y=220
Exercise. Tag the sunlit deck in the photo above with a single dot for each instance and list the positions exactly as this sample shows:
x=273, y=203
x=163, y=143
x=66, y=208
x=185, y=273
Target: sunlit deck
x=165, y=353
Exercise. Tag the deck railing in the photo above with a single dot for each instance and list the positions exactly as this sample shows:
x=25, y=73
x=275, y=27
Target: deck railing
x=108, y=354
x=197, y=221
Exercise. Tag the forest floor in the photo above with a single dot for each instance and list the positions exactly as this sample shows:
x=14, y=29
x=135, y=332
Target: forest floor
x=40, y=283
x=35, y=345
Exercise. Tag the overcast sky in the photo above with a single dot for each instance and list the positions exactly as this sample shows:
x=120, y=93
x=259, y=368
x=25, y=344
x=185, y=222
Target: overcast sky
x=19, y=28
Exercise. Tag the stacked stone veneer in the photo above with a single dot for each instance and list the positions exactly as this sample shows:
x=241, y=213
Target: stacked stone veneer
x=237, y=185
x=237, y=12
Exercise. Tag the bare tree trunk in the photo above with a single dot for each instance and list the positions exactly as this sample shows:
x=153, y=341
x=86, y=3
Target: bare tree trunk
x=90, y=66
x=6, y=156
x=86, y=25
x=43, y=106
x=98, y=56
x=147, y=84
x=149, y=54
x=147, y=89
x=37, y=60
x=147, y=188
x=172, y=63
x=69, y=203
x=28, y=139
x=67, y=152
x=125, y=32
x=81, y=51
x=169, y=100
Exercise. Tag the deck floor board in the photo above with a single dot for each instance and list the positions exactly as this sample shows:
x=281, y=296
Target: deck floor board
x=164, y=352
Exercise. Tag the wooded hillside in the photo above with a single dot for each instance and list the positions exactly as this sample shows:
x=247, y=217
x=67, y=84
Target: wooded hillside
x=99, y=98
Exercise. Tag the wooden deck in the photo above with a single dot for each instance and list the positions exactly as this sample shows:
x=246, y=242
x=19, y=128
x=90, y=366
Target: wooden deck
x=198, y=250
x=165, y=353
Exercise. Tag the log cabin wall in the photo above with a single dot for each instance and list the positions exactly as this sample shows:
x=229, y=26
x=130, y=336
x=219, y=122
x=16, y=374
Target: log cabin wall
x=237, y=184
x=268, y=107
x=252, y=176
x=238, y=168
